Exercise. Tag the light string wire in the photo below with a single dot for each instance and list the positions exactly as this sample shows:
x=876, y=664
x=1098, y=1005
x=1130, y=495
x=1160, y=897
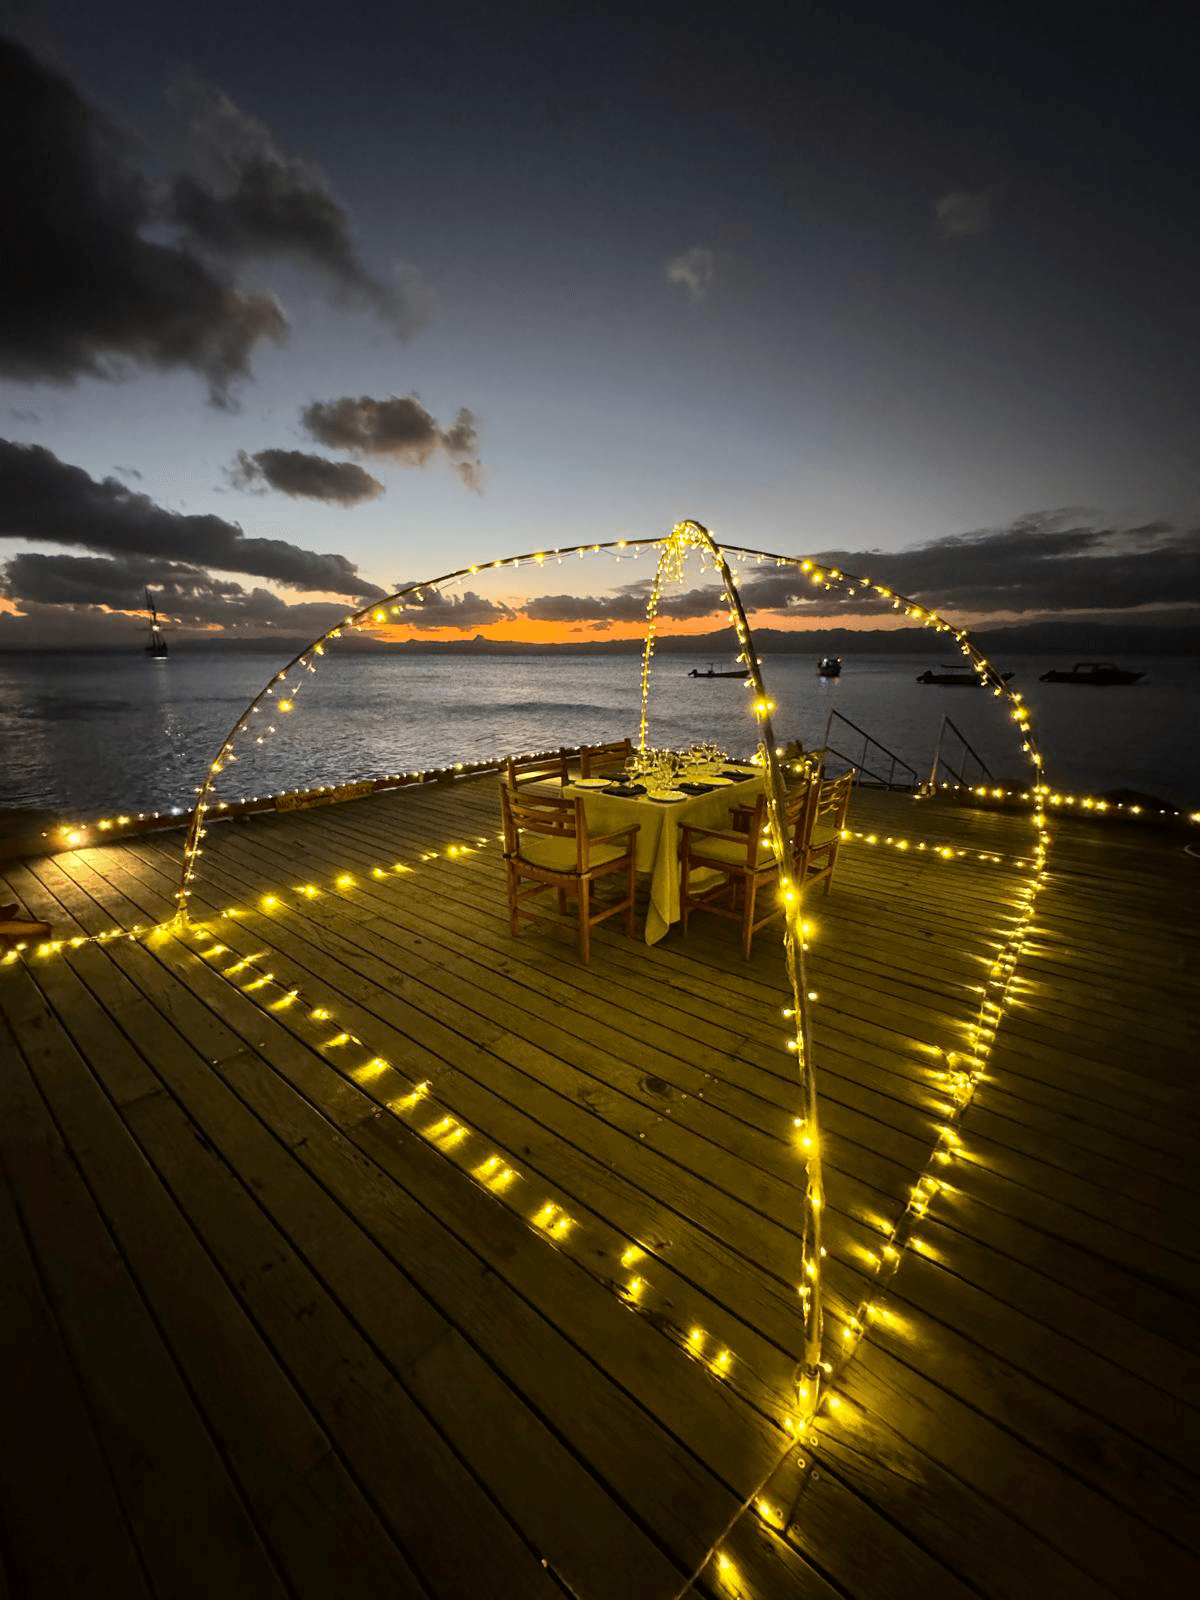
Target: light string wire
x=964, y=1070
x=693, y=535
x=377, y=611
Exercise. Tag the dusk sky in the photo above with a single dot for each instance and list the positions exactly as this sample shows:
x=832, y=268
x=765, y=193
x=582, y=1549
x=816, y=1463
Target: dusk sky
x=300, y=303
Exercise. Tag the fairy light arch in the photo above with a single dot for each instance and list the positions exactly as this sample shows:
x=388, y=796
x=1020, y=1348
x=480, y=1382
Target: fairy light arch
x=816, y=1374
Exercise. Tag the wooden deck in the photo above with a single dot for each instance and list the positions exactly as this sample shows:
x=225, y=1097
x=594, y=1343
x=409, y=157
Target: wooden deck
x=276, y=1320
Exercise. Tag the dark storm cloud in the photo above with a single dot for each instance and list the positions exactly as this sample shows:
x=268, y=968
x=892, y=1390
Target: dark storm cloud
x=245, y=197
x=437, y=609
x=29, y=577
x=627, y=604
x=101, y=599
x=52, y=502
x=81, y=292
x=1042, y=565
x=296, y=473
x=400, y=429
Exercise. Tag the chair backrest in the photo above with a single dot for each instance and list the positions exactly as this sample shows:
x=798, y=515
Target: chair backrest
x=544, y=815
x=833, y=801
x=596, y=759
x=800, y=812
x=520, y=770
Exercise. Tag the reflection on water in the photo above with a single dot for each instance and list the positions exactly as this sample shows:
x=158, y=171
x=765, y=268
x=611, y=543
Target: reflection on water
x=89, y=734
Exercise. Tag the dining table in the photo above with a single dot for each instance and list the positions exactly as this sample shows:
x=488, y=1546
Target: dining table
x=659, y=821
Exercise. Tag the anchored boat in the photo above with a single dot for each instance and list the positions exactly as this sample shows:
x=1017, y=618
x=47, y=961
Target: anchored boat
x=1103, y=673
x=157, y=645
x=959, y=676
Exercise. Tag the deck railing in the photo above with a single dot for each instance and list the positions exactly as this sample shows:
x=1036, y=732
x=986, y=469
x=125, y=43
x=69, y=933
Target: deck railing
x=899, y=775
x=967, y=754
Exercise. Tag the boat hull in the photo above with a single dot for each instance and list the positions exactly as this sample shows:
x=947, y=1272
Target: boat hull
x=1105, y=679
x=960, y=680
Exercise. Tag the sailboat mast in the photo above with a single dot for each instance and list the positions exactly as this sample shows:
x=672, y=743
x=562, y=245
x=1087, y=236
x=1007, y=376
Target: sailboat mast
x=157, y=645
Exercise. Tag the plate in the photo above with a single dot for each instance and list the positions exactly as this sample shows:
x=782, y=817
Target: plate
x=667, y=794
x=590, y=783
x=717, y=781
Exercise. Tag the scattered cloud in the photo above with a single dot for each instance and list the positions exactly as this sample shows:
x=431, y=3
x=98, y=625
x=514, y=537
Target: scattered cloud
x=694, y=271
x=65, y=599
x=471, y=474
x=962, y=213
x=1046, y=564
x=19, y=415
x=244, y=197
x=85, y=293
x=437, y=609
x=297, y=473
x=48, y=501
x=400, y=429
x=1043, y=564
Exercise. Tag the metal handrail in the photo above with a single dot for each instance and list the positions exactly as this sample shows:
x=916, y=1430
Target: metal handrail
x=939, y=760
x=860, y=766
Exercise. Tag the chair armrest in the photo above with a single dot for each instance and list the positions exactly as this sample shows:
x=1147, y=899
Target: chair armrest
x=689, y=832
x=619, y=833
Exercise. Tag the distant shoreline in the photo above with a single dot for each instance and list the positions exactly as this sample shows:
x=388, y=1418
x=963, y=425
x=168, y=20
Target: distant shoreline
x=1081, y=641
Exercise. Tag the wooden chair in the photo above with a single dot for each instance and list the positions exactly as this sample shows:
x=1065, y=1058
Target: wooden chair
x=829, y=818
x=547, y=844
x=598, y=760
x=725, y=872
x=522, y=770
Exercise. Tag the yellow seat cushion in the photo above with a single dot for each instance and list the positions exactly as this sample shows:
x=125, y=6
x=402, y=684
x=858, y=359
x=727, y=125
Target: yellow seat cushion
x=731, y=850
x=561, y=855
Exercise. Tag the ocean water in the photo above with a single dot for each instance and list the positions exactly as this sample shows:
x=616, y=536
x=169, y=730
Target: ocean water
x=86, y=734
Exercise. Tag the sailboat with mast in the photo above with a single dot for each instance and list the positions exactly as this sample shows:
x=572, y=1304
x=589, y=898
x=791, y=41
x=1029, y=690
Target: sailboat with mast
x=158, y=645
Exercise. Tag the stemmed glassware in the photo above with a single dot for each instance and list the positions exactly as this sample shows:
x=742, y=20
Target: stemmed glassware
x=666, y=769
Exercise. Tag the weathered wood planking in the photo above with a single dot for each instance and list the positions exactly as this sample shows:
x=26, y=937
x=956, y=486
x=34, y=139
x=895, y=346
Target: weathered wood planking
x=1020, y=1418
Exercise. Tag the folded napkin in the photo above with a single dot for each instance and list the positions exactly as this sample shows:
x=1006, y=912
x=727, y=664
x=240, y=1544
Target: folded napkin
x=736, y=775
x=698, y=788
x=626, y=791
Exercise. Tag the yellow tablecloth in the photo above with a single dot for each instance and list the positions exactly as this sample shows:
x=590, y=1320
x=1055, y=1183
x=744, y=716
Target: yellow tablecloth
x=658, y=837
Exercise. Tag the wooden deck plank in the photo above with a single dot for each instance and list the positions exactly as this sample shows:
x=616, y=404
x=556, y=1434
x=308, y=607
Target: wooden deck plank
x=1089, y=1200
x=64, y=1531
x=311, y=1511
x=1021, y=1423
x=396, y=1448
x=159, y=1452
x=1115, y=1549
x=522, y=1340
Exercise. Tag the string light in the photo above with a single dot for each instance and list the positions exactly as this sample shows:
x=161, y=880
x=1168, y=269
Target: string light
x=958, y=1078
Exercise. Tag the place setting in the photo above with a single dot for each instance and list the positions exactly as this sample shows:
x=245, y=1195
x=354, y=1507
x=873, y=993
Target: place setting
x=669, y=777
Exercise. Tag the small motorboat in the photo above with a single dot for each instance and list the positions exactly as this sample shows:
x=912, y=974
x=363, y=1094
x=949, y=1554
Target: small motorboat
x=961, y=676
x=1098, y=672
x=829, y=667
x=743, y=672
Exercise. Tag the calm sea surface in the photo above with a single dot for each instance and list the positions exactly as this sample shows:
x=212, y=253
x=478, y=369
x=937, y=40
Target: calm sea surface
x=87, y=734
